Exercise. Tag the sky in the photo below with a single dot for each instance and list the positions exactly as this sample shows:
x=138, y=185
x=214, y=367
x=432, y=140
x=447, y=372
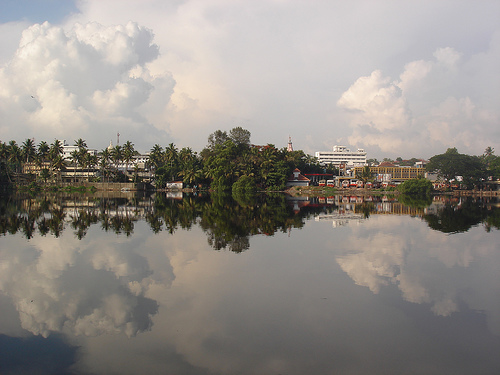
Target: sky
x=397, y=78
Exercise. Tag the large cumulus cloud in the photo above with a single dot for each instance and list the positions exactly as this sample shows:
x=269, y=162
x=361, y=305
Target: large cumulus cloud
x=433, y=104
x=89, y=82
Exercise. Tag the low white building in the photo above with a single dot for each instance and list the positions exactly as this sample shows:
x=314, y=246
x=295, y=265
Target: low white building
x=341, y=155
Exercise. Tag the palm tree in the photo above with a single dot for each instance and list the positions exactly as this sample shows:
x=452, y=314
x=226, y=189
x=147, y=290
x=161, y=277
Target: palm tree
x=156, y=156
x=80, y=143
x=171, y=153
x=191, y=173
x=28, y=150
x=136, y=173
x=75, y=158
x=82, y=156
x=42, y=154
x=4, y=159
x=90, y=163
x=4, y=152
x=185, y=154
x=171, y=158
x=128, y=154
x=43, y=149
x=45, y=174
x=366, y=174
x=4, y=155
x=190, y=168
x=104, y=161
x=56, y=157
x=116, y=155
x=57, y=164
x=15, y=155
x=55, y=150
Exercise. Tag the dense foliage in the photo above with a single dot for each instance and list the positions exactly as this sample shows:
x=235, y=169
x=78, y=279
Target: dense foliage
x=416, y=187
x=470, y=171
x=231, y=162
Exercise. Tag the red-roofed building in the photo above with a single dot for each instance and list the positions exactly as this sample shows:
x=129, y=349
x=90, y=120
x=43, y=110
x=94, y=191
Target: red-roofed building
x=297, y=179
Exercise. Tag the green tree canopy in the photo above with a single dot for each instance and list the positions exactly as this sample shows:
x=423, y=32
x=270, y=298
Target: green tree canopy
x=217, y=138
x=416, y=187
x=452, y=164
x=239, y=136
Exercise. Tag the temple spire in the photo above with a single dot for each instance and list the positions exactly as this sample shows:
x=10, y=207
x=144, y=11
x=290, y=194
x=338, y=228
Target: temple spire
x=289, y=147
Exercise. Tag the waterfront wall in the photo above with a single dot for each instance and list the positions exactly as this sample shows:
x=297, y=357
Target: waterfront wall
x=112, y=186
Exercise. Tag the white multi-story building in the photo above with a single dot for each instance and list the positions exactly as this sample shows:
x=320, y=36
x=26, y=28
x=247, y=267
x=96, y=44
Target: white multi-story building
x=341, y=155
x=68, y=149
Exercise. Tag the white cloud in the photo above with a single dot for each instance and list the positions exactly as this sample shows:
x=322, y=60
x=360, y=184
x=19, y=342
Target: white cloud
x=72, y=84
x=277, y=68
x=423, y=112
x=378, y=100
x=447, y=57
x=413, y=74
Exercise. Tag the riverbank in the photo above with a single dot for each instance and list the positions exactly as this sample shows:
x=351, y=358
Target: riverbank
x=91, y=187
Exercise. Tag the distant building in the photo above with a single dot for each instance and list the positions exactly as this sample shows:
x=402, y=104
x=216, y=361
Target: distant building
x=138, y=160
x=341, y=155
x=67, y=150
x=289, y=148
x=388, y=172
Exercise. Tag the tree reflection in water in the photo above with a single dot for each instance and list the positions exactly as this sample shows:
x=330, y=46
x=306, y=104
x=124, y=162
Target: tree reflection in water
x=455, y=217
x=227, y=220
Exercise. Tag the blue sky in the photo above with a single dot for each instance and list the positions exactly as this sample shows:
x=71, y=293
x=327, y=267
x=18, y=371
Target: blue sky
x=36, y=11
x=397, y=78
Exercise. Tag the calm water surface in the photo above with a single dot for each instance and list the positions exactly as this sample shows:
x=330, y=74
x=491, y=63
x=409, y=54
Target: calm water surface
x=333, y=285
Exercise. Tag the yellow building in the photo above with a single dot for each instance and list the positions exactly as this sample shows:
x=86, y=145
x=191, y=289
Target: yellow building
x=34, y=168
x=397, y=174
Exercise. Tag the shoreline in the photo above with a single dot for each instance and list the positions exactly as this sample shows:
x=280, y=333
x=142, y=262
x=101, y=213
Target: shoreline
x=292, y=191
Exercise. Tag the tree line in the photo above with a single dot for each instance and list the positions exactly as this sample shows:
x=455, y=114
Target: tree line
x=229, y=161
x=468, y=171
x=50, y=161
x=228, y=157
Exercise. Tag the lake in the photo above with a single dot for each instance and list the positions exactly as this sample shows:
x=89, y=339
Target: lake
x=173, y=284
